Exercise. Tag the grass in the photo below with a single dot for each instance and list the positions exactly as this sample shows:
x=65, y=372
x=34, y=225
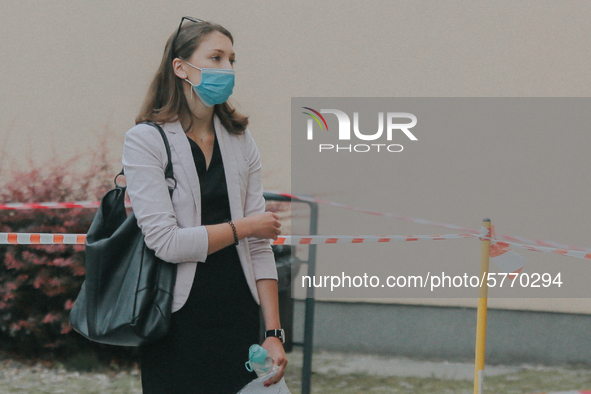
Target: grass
x=17, y=377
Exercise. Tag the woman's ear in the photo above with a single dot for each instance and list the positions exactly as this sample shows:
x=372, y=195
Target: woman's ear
x=178, y=67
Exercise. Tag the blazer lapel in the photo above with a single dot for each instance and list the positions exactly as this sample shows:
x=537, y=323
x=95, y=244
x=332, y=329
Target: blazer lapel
x=230, y=168
x=180, y=145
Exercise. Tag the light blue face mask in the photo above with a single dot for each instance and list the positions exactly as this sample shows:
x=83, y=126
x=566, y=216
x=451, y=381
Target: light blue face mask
x=216, y=85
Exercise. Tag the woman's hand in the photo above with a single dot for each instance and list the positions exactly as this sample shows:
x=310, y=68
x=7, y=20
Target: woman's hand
x=275, y=351
x=261, y=225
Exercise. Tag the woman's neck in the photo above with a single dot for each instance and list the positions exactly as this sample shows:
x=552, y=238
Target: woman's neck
x=200, y=127
x=199, y=122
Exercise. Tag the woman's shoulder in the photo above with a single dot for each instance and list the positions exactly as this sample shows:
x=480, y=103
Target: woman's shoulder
x=142, y=130
x=143, y=139
x=144, y=134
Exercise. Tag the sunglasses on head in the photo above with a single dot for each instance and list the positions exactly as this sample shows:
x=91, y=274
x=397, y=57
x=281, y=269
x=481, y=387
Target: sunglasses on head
x=189, y=18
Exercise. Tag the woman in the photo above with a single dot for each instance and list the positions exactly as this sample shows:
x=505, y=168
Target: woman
x=213, y=226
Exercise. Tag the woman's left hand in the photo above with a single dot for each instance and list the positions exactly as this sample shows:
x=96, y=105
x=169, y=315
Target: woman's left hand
x=277, y=353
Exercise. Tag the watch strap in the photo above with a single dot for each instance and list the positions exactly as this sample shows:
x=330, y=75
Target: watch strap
x=276, y=333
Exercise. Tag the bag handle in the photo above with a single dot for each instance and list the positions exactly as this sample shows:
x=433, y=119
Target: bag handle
x=168, y=171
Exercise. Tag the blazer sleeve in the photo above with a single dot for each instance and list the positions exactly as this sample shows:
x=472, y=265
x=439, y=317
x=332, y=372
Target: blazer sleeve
x=261, y=254
x=144, y=159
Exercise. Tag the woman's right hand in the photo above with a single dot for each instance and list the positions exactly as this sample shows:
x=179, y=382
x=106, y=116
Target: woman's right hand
x=261, y=225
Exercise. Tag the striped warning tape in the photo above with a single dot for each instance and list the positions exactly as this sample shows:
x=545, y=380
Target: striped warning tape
x=78, y=239
x=579, y=254
x=41, y=239
x=53, y=205
x=358, y=239
x=348, y=239
x=385, y=214
x=544, y=243
x=521, y=240
x=489, y=234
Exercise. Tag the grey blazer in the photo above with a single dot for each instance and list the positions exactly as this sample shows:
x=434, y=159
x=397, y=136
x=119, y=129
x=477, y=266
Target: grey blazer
x=172, y=227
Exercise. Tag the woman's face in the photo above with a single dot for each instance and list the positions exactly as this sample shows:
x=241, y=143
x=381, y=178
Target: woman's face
x=215, y=51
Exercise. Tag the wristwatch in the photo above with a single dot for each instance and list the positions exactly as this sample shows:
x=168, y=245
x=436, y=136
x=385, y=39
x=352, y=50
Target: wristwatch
x=276, y=333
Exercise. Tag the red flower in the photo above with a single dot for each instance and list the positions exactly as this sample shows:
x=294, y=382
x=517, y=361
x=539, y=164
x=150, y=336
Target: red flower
x=50, y=318
x=69, y=305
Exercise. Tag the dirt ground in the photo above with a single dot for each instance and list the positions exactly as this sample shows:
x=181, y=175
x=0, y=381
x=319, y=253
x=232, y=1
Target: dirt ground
x=333, y=373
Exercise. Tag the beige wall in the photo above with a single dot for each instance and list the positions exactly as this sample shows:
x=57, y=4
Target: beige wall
x=71, y=69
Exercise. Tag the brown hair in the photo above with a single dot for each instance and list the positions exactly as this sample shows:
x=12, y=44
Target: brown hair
x=165, y=100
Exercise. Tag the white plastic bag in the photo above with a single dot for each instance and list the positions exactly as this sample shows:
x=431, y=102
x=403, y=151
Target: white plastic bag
x=257, y=386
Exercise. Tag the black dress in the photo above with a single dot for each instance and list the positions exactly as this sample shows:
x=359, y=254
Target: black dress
x=207, y=346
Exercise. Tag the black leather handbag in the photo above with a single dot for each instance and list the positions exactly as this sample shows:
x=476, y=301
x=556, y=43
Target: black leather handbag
x=126, y=297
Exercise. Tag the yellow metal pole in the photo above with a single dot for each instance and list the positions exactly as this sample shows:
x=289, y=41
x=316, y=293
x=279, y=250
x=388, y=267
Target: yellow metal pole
x=482, y=308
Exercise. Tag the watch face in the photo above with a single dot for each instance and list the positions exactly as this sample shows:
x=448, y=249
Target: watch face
x=276, y=333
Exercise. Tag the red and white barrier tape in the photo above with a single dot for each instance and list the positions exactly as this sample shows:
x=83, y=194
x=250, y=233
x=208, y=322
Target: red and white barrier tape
x=512, y=240
x=41, y=239
x=78, y=239
x=53, y=205
x=351, y=239
x=489, y=234
x=522, y=240
x=385, y=214
x=358, y=239
x=579, y=254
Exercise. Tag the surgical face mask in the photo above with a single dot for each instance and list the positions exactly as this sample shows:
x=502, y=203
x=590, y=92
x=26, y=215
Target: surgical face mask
x=216, y=85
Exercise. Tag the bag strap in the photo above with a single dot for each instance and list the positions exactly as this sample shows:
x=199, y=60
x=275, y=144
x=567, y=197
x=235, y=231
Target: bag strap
x=168, y=171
